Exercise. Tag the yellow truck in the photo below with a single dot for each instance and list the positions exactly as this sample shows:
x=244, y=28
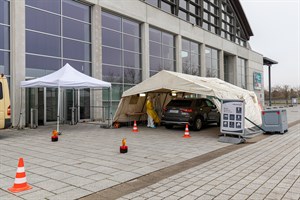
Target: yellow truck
x=5, y=121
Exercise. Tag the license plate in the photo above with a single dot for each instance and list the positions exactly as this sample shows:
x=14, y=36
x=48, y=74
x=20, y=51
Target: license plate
x=173, y=111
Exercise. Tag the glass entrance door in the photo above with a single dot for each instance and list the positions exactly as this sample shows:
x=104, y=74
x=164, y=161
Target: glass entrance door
x=51, y=96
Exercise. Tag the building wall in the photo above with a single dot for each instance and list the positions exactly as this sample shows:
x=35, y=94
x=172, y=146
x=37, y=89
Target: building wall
x=148, y=16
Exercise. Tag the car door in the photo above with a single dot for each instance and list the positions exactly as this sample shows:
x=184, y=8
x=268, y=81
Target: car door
x=212, y=111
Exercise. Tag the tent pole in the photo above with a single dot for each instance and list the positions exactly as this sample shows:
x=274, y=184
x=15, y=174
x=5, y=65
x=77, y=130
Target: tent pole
x=58, y=105
x=110, y=106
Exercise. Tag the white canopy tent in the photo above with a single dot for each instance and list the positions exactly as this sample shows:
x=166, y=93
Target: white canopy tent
x=163, y=83
x=67, y=78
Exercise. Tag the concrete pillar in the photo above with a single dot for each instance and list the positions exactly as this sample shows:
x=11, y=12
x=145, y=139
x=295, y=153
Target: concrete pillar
x=17, y=61
x=96, y=95
x=202, y=60
x=249, y=77
x=178, y=45
x=235, y=66
x=221, y=65
x=145, y=51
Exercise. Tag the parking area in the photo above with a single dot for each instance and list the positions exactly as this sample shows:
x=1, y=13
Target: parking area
x=86, y=158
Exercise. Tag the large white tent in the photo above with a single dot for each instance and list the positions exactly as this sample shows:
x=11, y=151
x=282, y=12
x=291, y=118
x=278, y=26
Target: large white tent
x=67, y=78
x=163, y=83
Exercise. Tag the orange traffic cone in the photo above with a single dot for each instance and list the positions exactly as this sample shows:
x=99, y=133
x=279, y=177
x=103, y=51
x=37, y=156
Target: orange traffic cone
x=54, y=137
x=135, y=129
x=20, y=180
x=186, y=132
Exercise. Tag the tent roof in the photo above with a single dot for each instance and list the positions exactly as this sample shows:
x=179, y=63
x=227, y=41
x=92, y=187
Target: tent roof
x=167, y=80
x=66, y=77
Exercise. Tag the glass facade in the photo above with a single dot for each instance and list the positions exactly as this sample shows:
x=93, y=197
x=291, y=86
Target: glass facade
x=162, y=51
x=212, y=62
x=57, y=32
x=4, y=37
x=215, y=16
x=190, y=57
x=241, y=73
x=121, y=54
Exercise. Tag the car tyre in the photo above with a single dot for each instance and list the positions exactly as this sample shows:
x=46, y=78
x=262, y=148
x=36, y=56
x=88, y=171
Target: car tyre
x=169, y=126
x=198, y=123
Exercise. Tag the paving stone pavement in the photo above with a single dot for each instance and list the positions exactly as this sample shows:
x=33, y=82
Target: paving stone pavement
x=268, y=169
x=86, y=159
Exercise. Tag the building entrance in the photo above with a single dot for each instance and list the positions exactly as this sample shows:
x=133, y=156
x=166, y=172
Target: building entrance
x=41, y=106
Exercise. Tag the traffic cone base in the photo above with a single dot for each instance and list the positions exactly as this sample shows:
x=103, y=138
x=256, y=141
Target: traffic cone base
x=20, y=183
x=135, y=129
x=186, y=132
x=27, y=187
x=123, y=149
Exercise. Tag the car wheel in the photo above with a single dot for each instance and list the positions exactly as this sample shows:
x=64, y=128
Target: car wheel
x=198, y=124
x=169, y=126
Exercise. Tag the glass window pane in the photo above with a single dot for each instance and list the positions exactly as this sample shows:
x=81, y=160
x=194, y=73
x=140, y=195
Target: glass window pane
x=166, y=7
x=4, y=37
x=182, y=15
x=131, y=27
x=155, y=49
x=192, y=19
x=155, y=64
x=117, y=91
x=49, y=5
x=76, y=10
x=112, y=74
x=111, y=56
x=83, y=67
x=185, y=45
x=195, y=47
x=37, y=66
x=168, y=39
x=76, y=50
x=168, y=52
x=4, y=63
x=4, y=12
x=111, y=21
x=111, y=38
x=168, y=65
x=186, y=57
x=42, y=21
x=132, y=75
x=42, y=44
x=195, y=60
x=132, y=59
x=131, y=43
x=182, y=4
x=205, y=26
x=85, y=103
x=152, y=2
x=214, y=53
x=192, y=9
x=208, y=52
x=155, y=35
x=76, y=30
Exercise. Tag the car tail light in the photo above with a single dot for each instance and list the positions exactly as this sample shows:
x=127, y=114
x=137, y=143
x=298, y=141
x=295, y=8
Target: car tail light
x=188, y=110
x=263, y=112
x=165, y=109
x=278, y=113
x=8, y=110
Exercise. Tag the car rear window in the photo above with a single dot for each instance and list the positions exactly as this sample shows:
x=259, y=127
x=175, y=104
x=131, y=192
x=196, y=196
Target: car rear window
x=180, y=103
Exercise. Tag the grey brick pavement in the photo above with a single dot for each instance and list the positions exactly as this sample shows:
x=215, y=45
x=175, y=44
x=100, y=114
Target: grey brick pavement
x=269, y=169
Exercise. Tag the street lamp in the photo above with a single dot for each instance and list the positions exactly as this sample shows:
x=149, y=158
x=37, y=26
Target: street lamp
x=269, y=63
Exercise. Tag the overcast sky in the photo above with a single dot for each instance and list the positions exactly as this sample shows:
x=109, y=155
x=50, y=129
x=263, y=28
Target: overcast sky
x=275, y=25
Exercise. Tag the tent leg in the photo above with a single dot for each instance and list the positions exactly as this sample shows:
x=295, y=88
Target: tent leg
x=58, y=106
x=110, y=107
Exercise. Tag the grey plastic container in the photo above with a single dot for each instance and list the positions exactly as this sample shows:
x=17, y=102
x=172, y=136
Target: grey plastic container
x=274, y=120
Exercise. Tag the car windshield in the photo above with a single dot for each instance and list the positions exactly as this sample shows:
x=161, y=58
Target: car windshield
x=180, y=103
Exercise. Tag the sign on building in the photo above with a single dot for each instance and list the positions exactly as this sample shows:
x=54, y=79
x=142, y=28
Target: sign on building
x=232, y=116
x=257, y=81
